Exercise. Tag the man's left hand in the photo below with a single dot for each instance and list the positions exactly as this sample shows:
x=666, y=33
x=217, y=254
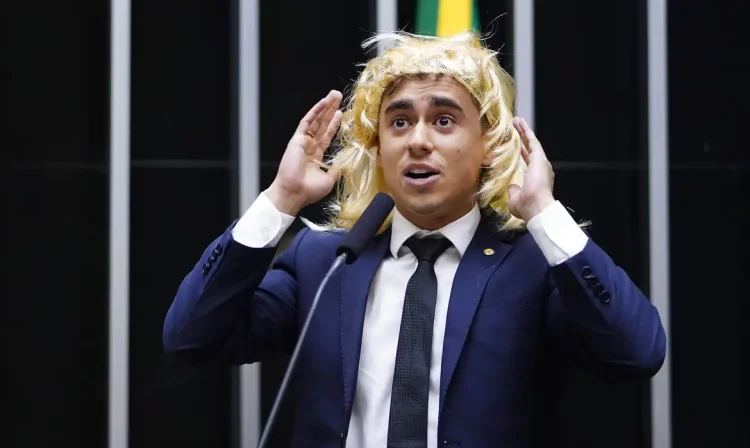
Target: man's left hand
x=536, y=193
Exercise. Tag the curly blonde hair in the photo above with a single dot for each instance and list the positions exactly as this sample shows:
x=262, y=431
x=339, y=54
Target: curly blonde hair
x=462, y=57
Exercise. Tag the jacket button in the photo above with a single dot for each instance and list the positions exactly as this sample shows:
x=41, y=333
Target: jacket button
x=219, y=249
x=587, y=272
x=605, y=297
x=206, y=268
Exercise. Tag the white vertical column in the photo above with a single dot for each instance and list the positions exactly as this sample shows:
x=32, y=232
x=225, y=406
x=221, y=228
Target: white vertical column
x=119, y=222
x=658, y=181
x=249, y=185
x=386, y=19
x=523, y=58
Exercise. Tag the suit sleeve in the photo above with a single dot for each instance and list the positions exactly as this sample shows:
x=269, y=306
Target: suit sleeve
x=596, y=314
x=231, y=308
x=605, y=320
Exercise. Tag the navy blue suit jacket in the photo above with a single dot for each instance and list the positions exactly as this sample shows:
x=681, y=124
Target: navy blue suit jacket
x=513, y=324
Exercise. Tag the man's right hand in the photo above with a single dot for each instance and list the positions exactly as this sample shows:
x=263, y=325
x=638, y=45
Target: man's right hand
x=300, y=180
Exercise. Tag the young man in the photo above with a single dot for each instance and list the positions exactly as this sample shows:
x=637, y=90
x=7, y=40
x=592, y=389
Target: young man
x=453, y=326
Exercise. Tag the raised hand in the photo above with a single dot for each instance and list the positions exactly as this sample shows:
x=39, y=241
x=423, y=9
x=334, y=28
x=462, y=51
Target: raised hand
x=301, y=179
x=536, y=193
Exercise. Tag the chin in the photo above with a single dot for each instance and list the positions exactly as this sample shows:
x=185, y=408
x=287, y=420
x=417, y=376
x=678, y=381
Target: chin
x=424, y=205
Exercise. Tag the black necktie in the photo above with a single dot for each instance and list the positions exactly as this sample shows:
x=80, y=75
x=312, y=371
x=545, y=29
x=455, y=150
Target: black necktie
x=407, y=426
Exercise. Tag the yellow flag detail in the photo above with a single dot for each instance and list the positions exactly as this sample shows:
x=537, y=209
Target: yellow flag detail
x=454, y=16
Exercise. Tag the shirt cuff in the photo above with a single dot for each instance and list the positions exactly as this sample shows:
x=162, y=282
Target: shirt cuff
x=262, y=225
x=557, y=234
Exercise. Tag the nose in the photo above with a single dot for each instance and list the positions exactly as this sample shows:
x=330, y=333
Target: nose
x=419, y=142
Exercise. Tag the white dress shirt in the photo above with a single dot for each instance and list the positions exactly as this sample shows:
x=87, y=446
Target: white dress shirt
x=554, y=230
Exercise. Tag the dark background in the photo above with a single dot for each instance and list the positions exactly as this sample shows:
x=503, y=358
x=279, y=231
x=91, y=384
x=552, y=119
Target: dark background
x=591, y=117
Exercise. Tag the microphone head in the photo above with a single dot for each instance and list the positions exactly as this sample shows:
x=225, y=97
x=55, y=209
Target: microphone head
x=366, y=227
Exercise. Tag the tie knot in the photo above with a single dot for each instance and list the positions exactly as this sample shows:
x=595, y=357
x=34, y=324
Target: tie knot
x=427, y=249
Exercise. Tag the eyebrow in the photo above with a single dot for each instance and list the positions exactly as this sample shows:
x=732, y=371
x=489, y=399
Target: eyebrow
x=445, y=102
x=400, y=105
x=435, y=101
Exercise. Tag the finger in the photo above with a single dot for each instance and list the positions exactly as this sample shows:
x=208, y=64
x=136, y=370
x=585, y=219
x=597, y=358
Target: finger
x=324, y=122
x=525, y=154
x=529, y=139
x=319, y=123
x=522, y=126
x=524, y=130
x=335, y=98
x=333, y=126
x=310, y=119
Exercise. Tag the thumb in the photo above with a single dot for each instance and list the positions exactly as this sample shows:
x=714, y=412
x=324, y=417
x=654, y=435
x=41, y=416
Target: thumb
x=514, y=191
x=333, y=174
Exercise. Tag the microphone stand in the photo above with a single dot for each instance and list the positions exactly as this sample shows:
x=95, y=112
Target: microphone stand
x=335, y=268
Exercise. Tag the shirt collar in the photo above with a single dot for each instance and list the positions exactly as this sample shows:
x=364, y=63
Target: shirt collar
x=459, y=232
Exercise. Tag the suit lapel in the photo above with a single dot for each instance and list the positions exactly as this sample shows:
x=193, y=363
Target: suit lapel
x=356, y=281
x=484, y=254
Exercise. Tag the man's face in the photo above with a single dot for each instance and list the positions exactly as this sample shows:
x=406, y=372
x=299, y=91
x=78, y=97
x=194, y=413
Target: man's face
x=431, y=149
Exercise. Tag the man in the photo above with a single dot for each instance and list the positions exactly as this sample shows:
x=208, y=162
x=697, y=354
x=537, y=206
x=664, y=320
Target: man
x=453, y=326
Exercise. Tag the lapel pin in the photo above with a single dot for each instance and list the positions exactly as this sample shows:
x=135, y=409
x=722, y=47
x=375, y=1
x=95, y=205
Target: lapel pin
x=489, y=251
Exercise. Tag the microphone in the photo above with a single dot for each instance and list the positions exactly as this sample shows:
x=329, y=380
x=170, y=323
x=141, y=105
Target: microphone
x=366, y=227
x=349, y=250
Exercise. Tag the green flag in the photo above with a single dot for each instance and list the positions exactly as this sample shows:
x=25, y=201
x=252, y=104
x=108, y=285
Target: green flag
x=446, y=17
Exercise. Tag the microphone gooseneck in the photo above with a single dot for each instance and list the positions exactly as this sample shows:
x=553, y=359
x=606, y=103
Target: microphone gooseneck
x=366, y=227
x=351, y=247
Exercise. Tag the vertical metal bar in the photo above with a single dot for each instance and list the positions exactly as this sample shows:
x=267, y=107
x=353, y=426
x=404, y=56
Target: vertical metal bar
x=249, y=185
x=387, y=18
x=523, y=58
x=119, y=223
x=658, y=178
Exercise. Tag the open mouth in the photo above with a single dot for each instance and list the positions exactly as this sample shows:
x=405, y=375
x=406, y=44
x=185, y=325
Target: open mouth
x=420, y=174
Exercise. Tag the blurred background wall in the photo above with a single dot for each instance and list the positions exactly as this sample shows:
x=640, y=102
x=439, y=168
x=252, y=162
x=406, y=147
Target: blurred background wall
x=86, y=294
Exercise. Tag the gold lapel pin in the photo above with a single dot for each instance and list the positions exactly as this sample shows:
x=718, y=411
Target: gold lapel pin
x=489, y=251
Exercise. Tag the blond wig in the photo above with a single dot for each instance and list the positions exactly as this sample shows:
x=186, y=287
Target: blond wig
x=466, y=60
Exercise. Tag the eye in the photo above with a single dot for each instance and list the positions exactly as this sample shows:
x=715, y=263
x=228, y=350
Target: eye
x=444, y=121
x=399, y=123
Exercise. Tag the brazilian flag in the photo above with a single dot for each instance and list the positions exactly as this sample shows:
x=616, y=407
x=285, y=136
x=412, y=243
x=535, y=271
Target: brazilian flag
x=444, y=18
